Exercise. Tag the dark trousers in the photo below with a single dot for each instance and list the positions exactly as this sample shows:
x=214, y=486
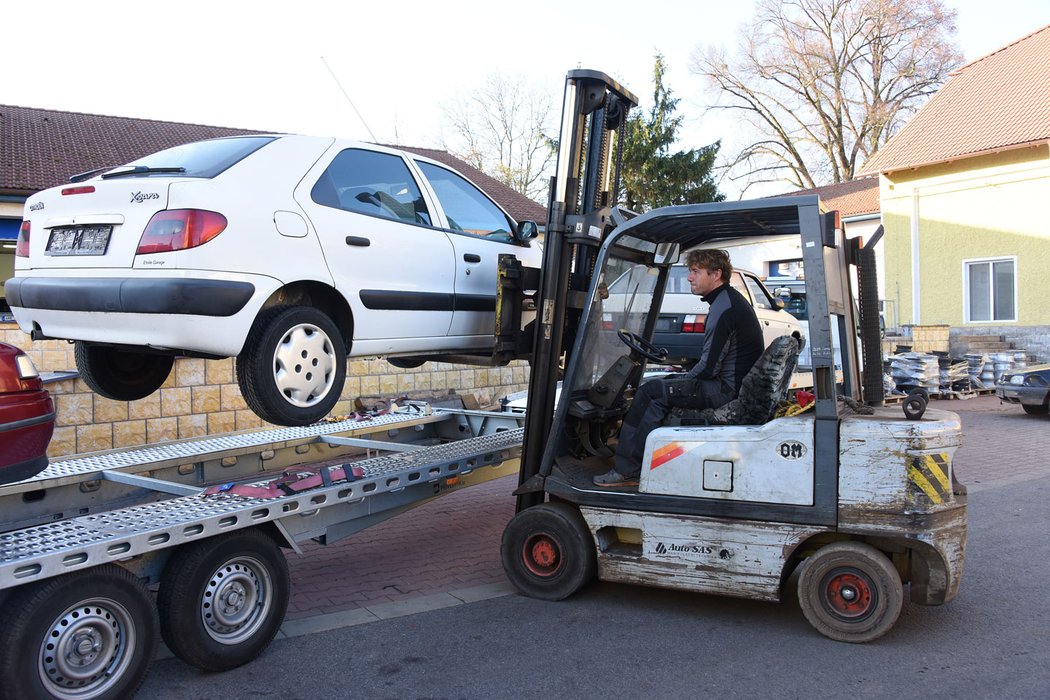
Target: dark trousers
x=650, y=407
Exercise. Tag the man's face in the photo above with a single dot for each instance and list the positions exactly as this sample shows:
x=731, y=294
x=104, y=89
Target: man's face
x=703, y=281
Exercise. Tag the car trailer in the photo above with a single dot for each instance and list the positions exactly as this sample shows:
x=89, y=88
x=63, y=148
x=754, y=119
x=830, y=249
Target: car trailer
x=83, y=542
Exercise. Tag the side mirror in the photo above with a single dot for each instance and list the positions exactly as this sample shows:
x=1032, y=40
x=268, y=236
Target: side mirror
x=526, y=231
x=778, y=303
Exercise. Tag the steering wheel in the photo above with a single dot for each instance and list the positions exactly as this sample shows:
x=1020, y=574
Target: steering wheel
x=642, y=346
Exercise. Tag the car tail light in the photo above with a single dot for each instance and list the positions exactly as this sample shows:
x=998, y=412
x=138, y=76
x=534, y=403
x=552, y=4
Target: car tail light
x=82, y=189
x=693, y=324
x=22, y=246
x=607, y=323
x=179, y=229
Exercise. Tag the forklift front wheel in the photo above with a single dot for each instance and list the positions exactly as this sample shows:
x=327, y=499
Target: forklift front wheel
x=548, y=552
x=850, y=592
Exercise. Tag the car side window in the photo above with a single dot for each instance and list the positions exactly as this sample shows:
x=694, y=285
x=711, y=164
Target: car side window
x=368, y=182
x=737, y=283
x=466, y=207
x=761, y=301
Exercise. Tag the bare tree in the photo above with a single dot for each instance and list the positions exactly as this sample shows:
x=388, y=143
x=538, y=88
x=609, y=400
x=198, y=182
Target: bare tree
x=826, y=82
x=501, y=129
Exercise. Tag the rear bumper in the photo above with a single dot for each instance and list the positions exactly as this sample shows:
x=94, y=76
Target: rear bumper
x=195, y=297
x=27, y=421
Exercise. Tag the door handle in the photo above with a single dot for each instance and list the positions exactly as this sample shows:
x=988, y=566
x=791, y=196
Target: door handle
x=358, y=241
x=471, y=258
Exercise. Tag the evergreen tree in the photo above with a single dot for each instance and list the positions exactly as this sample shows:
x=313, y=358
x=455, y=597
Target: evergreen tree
x=652, y=176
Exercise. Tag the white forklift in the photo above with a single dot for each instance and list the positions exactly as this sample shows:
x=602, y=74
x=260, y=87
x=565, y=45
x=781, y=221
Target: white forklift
x=856, y=498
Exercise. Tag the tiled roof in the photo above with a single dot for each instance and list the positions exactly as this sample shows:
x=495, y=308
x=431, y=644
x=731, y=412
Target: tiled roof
x=998, y=102
x=41, y=148
x=853, y=198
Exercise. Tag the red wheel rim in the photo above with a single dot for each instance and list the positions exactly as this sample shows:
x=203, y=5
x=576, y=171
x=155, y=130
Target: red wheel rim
x=849, y=594
x=542, y=555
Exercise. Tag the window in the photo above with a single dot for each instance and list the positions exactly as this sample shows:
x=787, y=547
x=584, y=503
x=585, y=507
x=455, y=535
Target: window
x=368, y=182
x=989, y=287
x=466, y=207
x=200, y=159
x=761, y=300
x=737, y=283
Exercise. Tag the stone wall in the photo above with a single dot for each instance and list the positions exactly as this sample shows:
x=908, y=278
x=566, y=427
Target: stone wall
x=201, y=397
x=1033, y=340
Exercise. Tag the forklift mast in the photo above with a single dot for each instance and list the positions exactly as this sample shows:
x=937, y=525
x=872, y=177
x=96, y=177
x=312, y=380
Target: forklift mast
x=580, y=213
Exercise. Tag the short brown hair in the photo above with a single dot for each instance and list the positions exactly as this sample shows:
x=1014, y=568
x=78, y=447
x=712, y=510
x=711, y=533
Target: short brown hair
x=710, y=259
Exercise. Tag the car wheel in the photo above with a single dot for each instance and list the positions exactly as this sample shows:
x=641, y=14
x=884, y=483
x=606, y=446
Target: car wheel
x=406, y=362
x=121, y=375
x=293, y=365
x=1040, y=410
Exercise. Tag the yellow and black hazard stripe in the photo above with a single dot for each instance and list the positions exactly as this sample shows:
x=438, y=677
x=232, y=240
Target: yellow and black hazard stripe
x=931, y=474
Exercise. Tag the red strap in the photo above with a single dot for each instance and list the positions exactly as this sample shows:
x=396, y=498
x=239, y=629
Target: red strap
x=291, y=482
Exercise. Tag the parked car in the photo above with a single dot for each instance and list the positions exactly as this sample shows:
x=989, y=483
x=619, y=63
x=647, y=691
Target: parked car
x=27, y=417
x=1029, y=387
x=289, y=252
x=680, y=325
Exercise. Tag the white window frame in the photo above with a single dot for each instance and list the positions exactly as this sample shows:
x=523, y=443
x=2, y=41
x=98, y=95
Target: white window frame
x=966, y=288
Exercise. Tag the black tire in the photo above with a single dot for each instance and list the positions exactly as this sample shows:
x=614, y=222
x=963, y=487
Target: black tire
x=244, y=571
x=548, y=552
x=407, y=362
x=293, y=366
x=1040, y=410
x=850, y=592
x=87, y=634
x=121, y=375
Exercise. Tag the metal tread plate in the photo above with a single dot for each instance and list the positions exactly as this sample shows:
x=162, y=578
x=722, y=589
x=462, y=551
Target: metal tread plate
x=44, y=551
x=146, y=458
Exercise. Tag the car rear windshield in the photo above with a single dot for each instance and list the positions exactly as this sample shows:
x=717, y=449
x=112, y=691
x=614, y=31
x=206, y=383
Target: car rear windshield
x=200, y=159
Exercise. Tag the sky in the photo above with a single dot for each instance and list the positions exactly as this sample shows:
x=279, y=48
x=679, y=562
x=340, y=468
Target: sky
x=270, y=66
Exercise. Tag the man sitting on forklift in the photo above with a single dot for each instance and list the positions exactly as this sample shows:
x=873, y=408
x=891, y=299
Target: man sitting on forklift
x=733, y=343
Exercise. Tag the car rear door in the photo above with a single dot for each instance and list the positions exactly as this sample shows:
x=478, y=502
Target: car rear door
x=393, y=266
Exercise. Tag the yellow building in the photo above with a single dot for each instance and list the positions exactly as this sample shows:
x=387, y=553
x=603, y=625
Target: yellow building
x=965, y=198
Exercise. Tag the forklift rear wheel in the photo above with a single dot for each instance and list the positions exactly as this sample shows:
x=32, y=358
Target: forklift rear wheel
x=88, y=634
x=222, y=600
x=850, y=592
x=548, y=552
x=121, y=375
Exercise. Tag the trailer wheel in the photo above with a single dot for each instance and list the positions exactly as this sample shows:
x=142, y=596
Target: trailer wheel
x=222, y=600
x=87, y=634
x=121, y=375
x=548, y=552
x=293, y=366
x=850, y=592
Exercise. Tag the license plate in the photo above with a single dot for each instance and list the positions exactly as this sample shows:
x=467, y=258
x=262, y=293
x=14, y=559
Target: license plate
x=668, y=324
x=79, y=240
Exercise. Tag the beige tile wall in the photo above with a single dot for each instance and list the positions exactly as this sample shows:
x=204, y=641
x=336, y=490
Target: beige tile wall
x=201, y=397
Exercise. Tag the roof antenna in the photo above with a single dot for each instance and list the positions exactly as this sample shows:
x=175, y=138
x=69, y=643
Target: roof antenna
x=374, y=139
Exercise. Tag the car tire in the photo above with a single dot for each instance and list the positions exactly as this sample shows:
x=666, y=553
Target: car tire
x=121, y=375
x=407, y=362
x=293, y=366
x=1040, y=410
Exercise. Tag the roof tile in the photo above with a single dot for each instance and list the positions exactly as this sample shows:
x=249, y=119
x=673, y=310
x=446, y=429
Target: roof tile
x=998, y=102
x=41, y=148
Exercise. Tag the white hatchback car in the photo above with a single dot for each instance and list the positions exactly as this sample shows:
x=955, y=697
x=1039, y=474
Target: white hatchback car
x=289, y=252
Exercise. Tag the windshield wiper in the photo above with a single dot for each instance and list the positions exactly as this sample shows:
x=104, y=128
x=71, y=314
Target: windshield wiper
x=143, y=170
x=80, y=177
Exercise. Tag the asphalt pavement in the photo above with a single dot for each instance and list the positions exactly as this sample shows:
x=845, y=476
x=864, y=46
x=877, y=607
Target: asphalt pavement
x=418, y=607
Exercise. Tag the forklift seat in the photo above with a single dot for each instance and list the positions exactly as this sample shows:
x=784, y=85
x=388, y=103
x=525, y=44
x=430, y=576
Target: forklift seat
x=763, y=388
